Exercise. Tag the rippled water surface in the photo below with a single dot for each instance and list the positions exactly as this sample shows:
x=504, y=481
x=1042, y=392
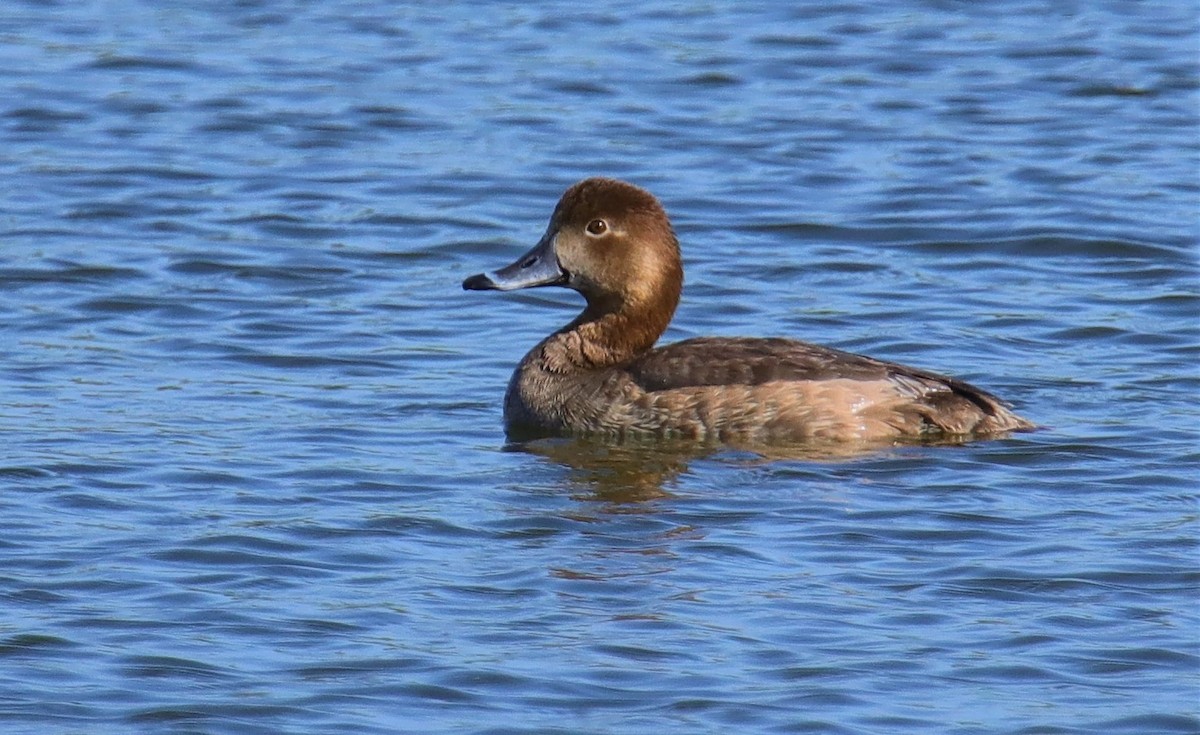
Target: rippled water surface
x=253, y=477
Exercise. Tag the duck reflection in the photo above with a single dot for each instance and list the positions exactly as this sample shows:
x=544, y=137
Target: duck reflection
x=627, y=472
x=635, y=471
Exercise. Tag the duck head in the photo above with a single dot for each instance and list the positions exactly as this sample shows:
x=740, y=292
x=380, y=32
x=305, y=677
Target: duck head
x=610, y=241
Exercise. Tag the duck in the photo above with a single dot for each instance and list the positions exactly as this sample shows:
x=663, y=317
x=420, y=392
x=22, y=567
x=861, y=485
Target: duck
x=602, y=376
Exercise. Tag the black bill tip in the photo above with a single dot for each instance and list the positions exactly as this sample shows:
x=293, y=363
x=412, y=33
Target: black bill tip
x=479, y=282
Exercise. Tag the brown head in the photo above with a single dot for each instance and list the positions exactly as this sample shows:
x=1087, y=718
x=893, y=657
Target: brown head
x=612, y=242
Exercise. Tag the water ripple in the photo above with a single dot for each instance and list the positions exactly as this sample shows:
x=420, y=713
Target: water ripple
x=254, y=477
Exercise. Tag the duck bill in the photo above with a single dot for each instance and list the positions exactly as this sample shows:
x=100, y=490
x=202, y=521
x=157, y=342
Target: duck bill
x=538, y=267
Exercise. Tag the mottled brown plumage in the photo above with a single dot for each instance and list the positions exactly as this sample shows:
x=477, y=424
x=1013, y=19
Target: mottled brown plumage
x=612, y=242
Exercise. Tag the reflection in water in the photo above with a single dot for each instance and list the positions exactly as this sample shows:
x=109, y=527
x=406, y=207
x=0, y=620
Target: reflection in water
x=632, y=471
x=626, y=472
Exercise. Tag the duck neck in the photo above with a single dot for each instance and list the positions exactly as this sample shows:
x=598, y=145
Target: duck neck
x=600, y=338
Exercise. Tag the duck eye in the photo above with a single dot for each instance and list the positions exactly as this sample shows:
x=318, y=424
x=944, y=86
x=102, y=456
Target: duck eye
x=597, y=227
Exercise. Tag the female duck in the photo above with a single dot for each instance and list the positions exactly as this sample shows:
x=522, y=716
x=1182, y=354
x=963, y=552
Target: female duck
x=612, y=242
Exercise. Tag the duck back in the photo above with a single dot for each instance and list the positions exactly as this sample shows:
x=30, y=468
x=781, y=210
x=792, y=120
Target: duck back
x=782, y=372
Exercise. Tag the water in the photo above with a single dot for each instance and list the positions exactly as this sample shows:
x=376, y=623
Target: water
x=253, y=477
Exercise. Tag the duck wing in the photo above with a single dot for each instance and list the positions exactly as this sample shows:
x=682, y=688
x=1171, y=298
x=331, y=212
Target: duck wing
x=705, y=361
x=943, y=402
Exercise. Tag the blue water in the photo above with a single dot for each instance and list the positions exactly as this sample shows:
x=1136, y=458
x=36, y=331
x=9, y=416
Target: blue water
x=253, y=477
